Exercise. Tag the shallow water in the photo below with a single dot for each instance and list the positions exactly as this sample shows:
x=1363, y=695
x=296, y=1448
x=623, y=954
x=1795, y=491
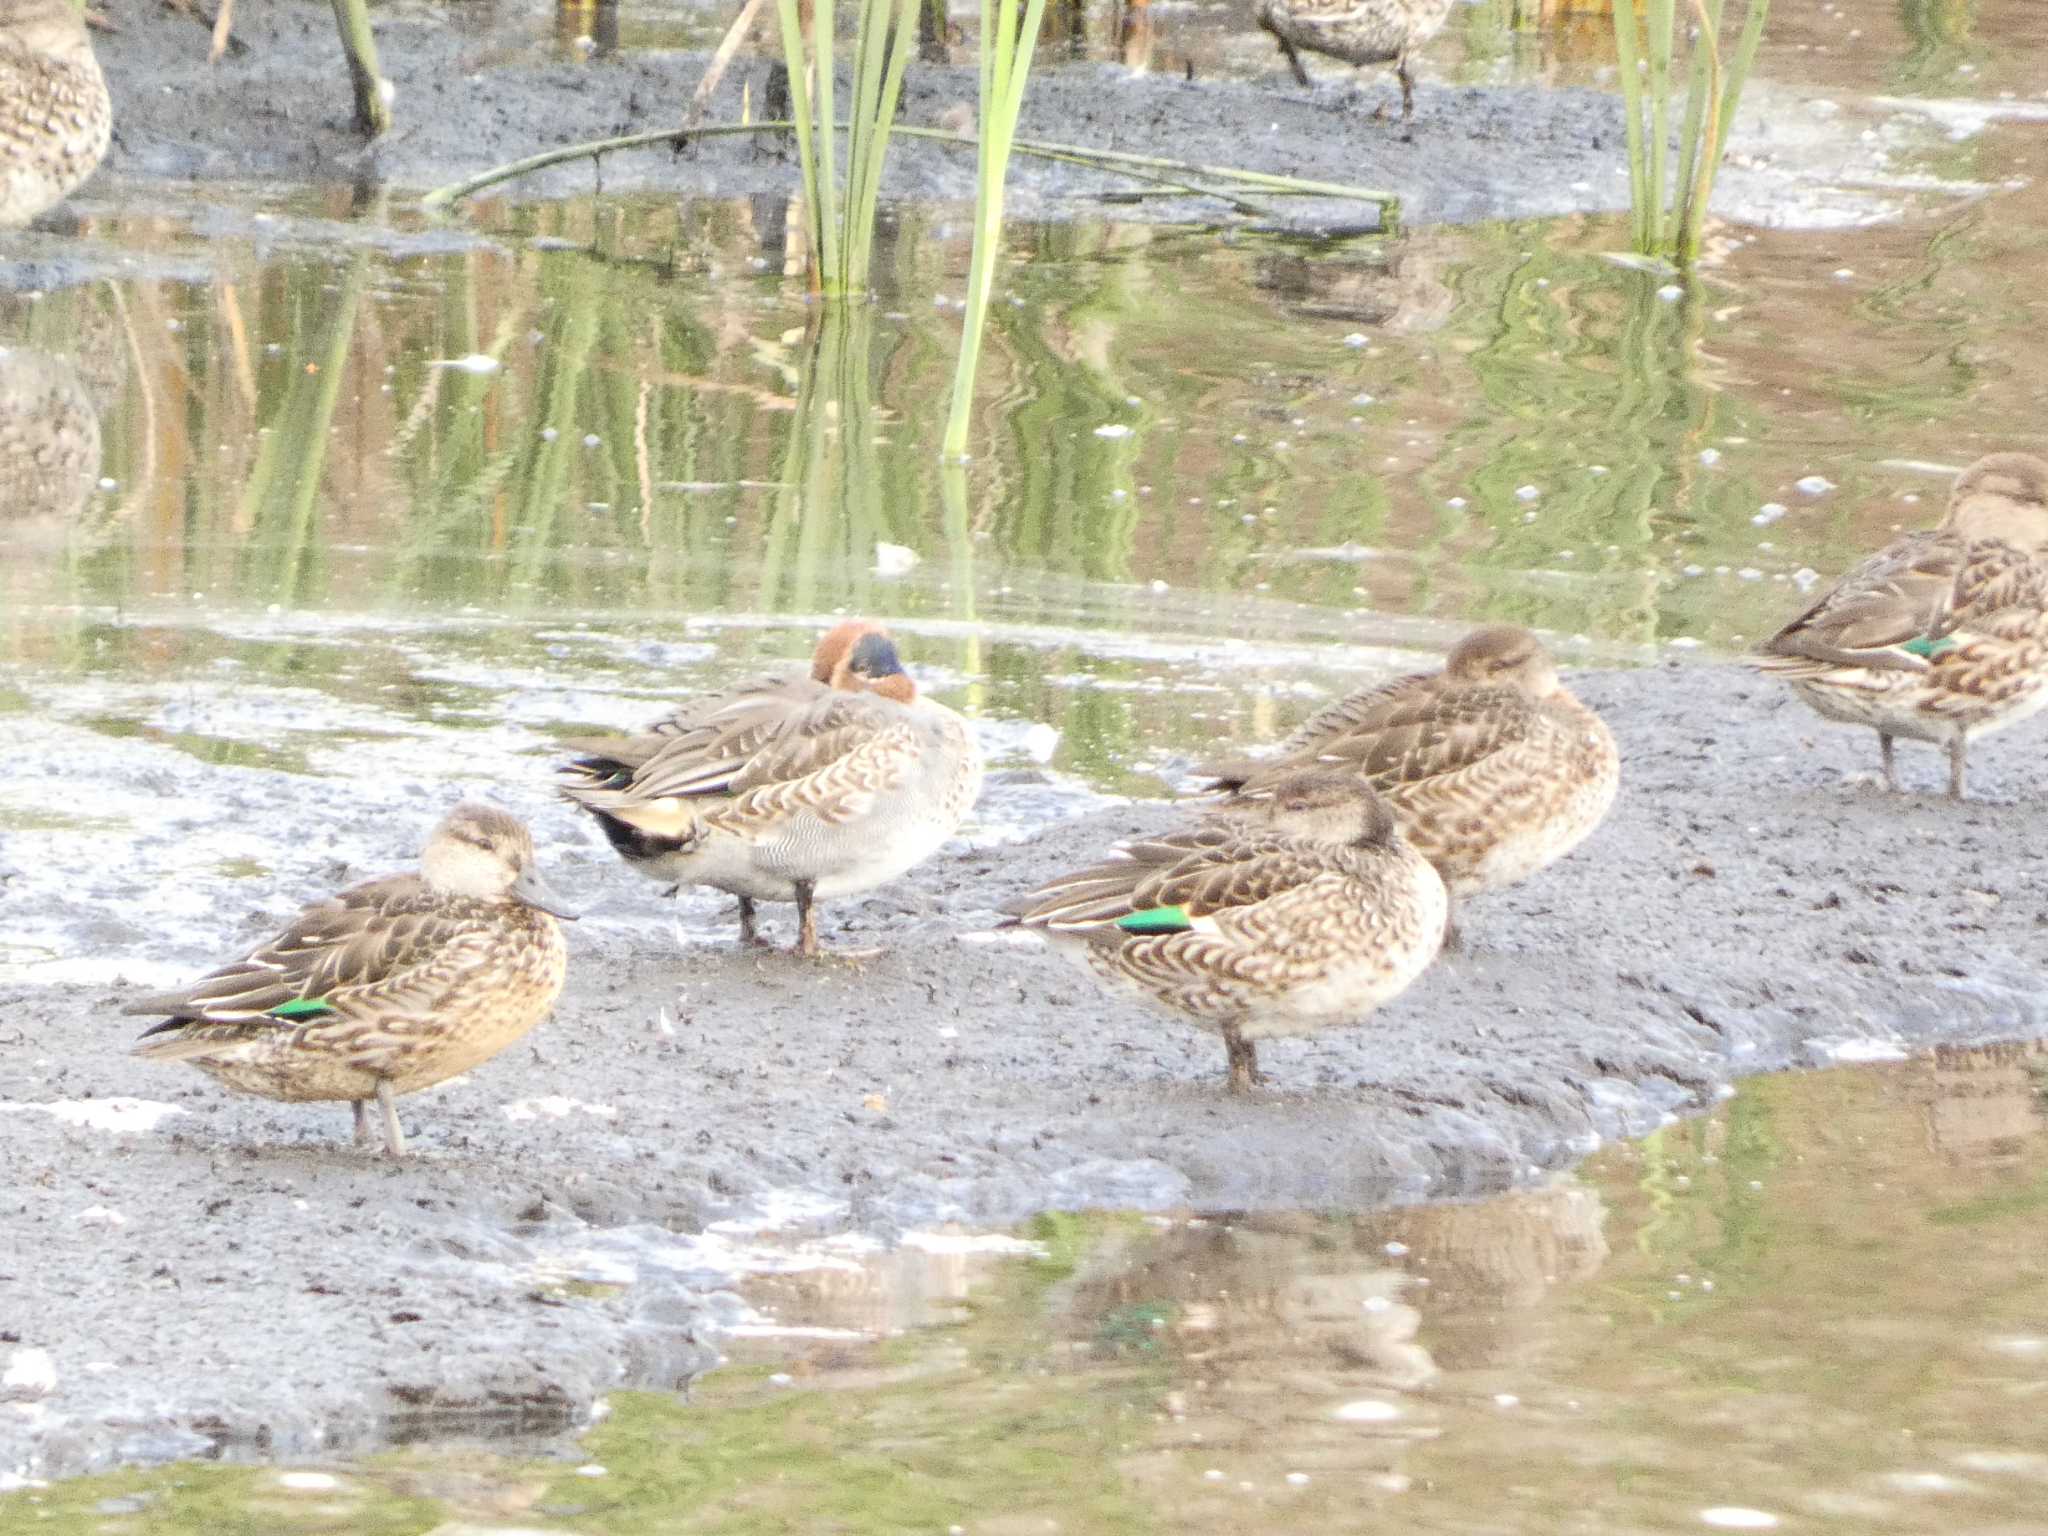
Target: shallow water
x=1820, y=1308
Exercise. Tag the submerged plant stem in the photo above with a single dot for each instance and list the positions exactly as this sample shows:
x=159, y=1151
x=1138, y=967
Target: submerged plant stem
x=1080, y=154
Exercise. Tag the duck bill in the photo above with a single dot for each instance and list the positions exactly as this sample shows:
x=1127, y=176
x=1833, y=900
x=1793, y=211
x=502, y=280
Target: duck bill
x=535, y=892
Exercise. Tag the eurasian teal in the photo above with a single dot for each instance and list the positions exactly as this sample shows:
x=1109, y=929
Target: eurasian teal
x=1940, y=636
x=390, y=987
x=1309, y=911
x=798, y=788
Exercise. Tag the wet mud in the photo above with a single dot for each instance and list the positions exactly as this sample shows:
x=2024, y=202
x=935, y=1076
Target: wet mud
x=279, y=110
x=231, y=1276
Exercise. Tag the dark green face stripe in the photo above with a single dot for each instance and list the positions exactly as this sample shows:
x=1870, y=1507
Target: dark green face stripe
x=1928, y=648
x=1157, y=920
x=301, y=1008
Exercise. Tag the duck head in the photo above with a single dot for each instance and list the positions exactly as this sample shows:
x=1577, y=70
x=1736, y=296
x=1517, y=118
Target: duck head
x=1504, y=655
x=2002, y=496
x=1325, y=805
x=858, y=656
x=486, y=854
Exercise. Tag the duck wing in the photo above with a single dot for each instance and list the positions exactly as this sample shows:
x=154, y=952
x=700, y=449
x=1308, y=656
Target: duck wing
x=1900, y=601
x=697, y=750
x=1400, y=740
x=1172, y=883
x=382, y=940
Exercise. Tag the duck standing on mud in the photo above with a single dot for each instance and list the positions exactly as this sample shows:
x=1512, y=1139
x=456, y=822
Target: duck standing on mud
x=1942, y=635
x=1356, y=31
x=390, y=987
x=1492, y=767
x=55, y=115
x=1309, y=913
x=796, y=788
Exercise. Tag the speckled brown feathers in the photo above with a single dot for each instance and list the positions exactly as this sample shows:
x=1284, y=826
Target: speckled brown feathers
x=55, y=115
x=1492, y=768
x=387, y=988
x=1355, y=31
x=1942, y=635
x=1308, y=911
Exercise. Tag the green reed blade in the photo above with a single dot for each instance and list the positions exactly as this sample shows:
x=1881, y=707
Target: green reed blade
x=1006, y=55
x=1738, y=68
x=801, y=116
x=824, y=57
x=1661, y=19
x=1702, y=85
x=1628, y=51
x=886, y=42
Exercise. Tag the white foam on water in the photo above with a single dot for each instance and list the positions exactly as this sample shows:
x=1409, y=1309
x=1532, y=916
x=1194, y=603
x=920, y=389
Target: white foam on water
x=1367, y=1410
x=1737, y=1517
x=972, y=1242
x=1860, y=1049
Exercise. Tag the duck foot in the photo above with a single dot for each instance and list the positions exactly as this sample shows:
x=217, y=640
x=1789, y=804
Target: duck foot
x=1244, y=1062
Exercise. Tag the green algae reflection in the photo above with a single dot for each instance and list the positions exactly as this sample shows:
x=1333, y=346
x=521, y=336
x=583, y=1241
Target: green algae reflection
x=1823, y=1301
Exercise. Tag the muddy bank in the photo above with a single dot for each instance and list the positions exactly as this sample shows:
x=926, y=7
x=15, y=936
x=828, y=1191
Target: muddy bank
x=233, y=1276
x=280, y=110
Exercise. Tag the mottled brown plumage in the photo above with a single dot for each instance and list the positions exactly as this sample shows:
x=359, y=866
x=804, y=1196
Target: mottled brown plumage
x=1491, y=766
x=55, y=115
x=788, y=788
x=1357, y=32
x=390, y=987
x=1941, y=636
x=1308, y=912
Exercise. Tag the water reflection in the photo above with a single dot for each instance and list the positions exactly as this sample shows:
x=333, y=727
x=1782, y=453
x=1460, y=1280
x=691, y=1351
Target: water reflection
x=626, y=411
x=1822, y=1304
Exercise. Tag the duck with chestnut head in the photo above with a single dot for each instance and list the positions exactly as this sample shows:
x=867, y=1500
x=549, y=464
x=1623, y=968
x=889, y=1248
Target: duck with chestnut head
x=1308, y=910
x=800, y=789
x=1942, y=635
x=387, y=988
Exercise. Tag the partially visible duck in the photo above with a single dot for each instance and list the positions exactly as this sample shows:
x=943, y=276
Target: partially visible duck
x=1309, y=911
x=798, y=789
x=55, y=115
x=1940, y=636
x=390, y=987
x=1356, y=31
x=1492, y=767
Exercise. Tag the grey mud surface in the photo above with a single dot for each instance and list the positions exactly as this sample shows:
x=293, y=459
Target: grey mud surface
x=1754, y=902
x=280, y=110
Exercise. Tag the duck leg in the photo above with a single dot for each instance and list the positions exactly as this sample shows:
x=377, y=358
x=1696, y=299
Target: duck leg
x=362, y=1109
x=806, y=918
x=1407, y=87
x=1454, y=932
x=394, y=1137
x=1958, y=762
x=1294, y=62
x=1891, y=768
x=1244, y=1060
x=749, y=934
